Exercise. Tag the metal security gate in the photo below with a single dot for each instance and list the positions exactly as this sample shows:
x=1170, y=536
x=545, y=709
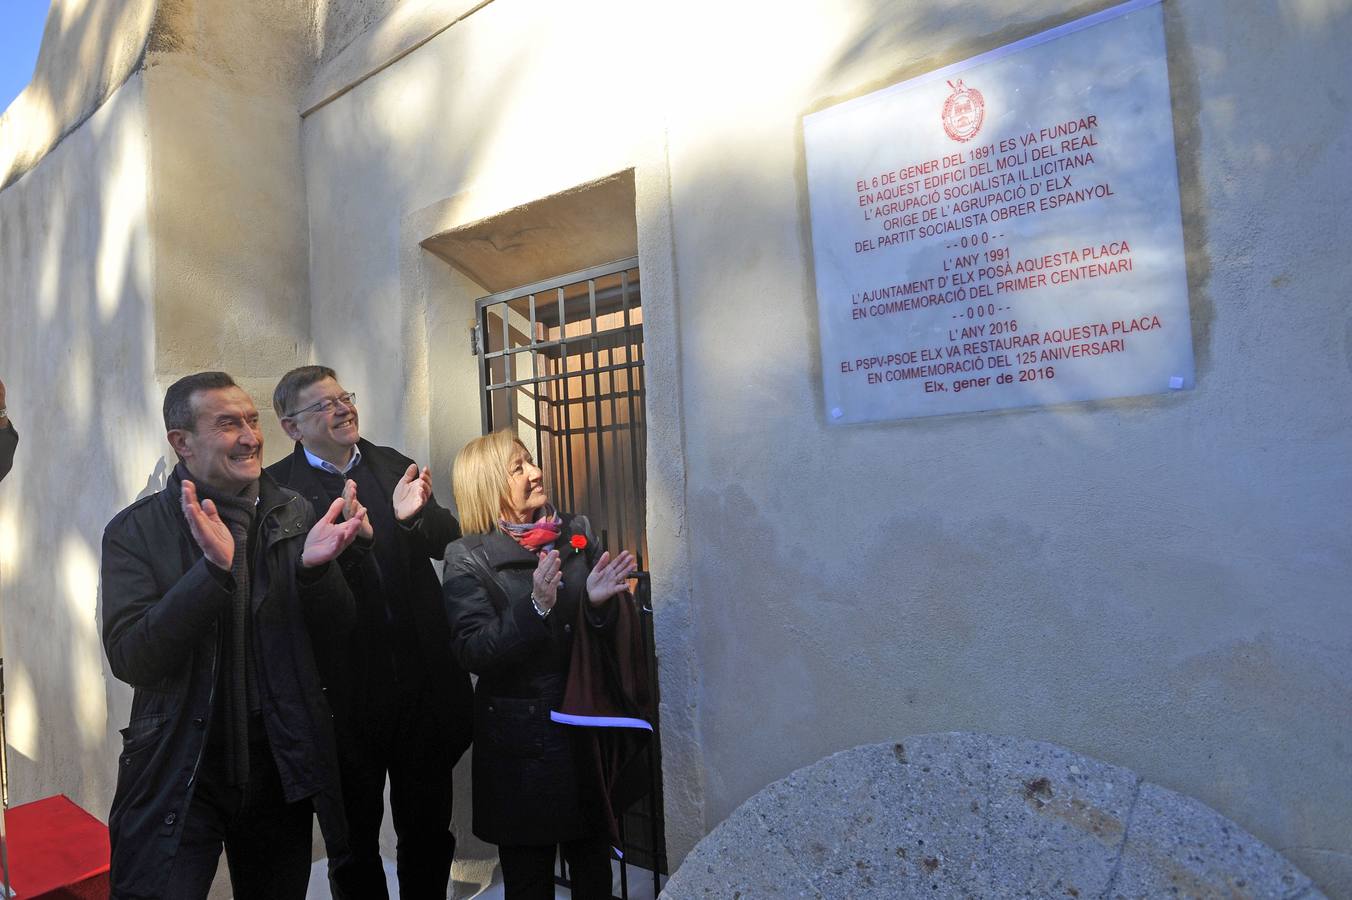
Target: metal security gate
x=561, y=364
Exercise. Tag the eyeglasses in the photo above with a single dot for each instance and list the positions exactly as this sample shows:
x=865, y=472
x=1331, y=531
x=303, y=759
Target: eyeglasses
x=327, y=405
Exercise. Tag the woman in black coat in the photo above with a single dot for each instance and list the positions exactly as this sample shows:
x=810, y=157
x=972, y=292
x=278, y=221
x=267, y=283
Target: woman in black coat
x=516, y=587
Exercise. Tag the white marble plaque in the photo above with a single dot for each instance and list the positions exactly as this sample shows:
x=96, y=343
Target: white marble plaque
x=1004, y=231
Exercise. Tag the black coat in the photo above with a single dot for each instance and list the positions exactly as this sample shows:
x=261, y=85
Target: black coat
x=424, y=539
x=528, y=785
x=9, y=439
x=163, y=617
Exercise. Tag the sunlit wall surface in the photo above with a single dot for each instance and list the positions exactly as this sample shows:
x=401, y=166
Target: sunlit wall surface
x=76, y=354
x=1160, y=582
x=1152, y=581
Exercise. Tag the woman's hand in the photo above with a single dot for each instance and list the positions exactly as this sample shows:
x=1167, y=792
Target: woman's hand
x=609, y=577
x=545, y=582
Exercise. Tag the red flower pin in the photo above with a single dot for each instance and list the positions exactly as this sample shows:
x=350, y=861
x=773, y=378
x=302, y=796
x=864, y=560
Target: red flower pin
x=578, y=542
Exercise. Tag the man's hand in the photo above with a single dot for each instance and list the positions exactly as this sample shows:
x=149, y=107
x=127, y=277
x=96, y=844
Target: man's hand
x=609, y=577
x=412, y=492
x=329, y=538
x=211, y=534
x=354, y=510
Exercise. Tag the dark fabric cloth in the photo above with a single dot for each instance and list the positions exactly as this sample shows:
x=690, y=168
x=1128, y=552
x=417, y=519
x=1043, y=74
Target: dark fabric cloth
x=398, y=566
x=238, y=682
x=266, y=839
x=528, y=871
x=392, y=740
x=9, y=440
x=528, y=785
x=394, y=663
x=610, y=698
x=164, y=613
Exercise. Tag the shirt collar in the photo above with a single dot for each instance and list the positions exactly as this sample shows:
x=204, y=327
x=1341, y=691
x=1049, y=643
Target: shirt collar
x=326, y=466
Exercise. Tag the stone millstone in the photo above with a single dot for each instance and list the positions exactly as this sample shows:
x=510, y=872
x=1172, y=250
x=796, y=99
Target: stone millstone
x=977, y=816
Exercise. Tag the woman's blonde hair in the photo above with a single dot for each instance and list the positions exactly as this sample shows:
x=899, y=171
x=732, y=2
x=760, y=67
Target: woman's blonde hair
x=479, y=480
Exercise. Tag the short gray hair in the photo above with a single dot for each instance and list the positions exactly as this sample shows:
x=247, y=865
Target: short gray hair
x=178, y=412
x=292, y=383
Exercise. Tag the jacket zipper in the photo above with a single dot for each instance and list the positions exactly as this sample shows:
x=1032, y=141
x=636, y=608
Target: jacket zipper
x=211, y=705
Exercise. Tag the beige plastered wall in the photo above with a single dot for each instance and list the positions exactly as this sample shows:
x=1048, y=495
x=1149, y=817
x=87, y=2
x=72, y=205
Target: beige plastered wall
x=1159, y=582
x=88, y=50
x=163, y=232
x=77, y=357
x=228, y=203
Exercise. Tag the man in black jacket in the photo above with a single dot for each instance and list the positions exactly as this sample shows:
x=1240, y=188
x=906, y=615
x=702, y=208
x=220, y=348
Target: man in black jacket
x=9, y=438
x=209, y=608
x=401, y=704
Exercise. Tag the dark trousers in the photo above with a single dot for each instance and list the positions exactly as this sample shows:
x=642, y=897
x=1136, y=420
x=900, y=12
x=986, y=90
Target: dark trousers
x=528, y=871
x=266, y=839
x=399, y=738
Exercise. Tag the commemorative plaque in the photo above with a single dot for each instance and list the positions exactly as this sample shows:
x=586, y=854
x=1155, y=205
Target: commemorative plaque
x=1004, y=231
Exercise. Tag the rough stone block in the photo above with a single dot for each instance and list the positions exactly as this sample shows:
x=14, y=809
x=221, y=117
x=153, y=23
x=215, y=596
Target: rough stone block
x=1056, y=821
x=976, y=816
x=741, y=860
x=1177, y=847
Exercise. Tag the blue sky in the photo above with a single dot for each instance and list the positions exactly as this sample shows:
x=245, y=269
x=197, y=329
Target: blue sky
x=21, y=23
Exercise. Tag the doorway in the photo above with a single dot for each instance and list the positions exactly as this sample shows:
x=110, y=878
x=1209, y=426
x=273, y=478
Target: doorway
x=560, y=363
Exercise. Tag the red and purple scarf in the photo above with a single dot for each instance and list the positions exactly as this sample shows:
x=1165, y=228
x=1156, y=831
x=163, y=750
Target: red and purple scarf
x=538, y=536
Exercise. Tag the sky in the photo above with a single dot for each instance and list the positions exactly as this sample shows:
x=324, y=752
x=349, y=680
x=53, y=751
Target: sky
x=21, y=24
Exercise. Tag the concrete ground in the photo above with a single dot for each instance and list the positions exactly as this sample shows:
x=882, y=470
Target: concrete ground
x=640, y=884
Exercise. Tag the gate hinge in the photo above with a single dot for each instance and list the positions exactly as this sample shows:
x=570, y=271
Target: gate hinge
x=476, y=340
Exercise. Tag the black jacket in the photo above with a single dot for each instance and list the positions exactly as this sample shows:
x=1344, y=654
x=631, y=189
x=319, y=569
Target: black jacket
x=528, y=785
x=163, y=610
x=9, y=439
x=422, y=539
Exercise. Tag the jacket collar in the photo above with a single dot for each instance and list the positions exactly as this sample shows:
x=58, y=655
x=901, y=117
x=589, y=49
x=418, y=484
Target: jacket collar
x=279, y=502
x=279, y=511
x=302, y=475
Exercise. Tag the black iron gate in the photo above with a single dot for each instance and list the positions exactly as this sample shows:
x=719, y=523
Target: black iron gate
x=561, y=364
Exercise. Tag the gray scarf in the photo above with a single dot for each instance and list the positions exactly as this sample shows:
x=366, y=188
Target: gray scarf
x=238, y=512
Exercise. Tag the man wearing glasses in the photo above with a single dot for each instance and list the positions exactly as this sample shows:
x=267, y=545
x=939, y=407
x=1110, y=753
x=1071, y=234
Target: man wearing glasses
x=401, y=705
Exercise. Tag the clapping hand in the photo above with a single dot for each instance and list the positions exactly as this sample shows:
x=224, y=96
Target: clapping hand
x=354, y=510
x=329, y=537
x=211, y=534
x=609, y=577
x=412, y=493
x=545, y=580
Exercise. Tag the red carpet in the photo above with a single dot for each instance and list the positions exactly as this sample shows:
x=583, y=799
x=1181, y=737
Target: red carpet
x=56, y=851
